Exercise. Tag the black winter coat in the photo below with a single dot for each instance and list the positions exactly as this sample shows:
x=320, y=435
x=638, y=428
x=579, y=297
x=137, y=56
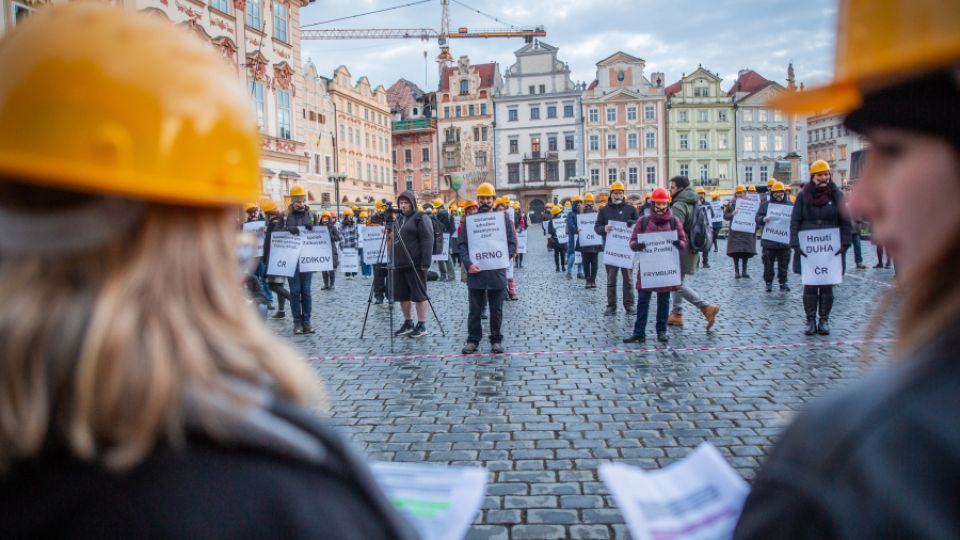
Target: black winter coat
x=415, y=250
x=806, y=216
x=615, y=212
x=486, y=279
x=880, y=460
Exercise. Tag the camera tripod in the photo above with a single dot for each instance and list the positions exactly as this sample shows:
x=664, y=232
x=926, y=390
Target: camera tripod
x=391, y=228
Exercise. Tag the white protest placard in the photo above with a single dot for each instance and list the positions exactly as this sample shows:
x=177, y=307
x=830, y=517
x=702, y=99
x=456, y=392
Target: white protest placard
x=587, y=233
x=778, y=228
x=284, y=250
x=350, y=261
x=745, y=220
x=440, y=502
x=487, y=240
x=456, y=224
x=512, y=213
x=257, y=228
x=659, y=261
x=616, y=251
x=717, y=207
x=822, y=265
x=360, y=228
x=316, y=250
x=698, y=498
x=510, y=272
x=375, y=249
x=522, y=242
x=577, y=257
x=445, y=255
x=560, y=225
x=544, y=225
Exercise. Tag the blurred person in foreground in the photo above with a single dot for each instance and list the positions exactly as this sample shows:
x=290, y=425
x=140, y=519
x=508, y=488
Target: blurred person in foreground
x=881, y=459
x=140, y=395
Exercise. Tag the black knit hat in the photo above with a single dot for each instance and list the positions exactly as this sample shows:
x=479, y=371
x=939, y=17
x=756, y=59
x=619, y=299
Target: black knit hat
x=928, y=104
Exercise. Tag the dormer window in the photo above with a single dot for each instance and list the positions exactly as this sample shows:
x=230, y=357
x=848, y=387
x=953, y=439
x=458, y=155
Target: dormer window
x=464, y=87
x=620, y=76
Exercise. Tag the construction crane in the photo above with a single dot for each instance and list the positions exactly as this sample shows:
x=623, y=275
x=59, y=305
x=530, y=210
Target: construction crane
x=442, y=36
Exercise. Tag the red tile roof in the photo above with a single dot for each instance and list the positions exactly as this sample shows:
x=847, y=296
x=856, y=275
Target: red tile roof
x=593, y=84
x=672, y=89
x=749, y=82
x=487, y=73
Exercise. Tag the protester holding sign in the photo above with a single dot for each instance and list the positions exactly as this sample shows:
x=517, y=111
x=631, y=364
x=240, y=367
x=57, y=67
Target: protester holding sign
x=330, y=276
x=576, y=206
x=556, y=228
x=670, y=239
x=349, y=236
x=742, y=243
x=774, y=217
x=591, y=243
x=819, y=206
x=617, y=210
x=486, y=286
x=274, y=282
x=301, y=283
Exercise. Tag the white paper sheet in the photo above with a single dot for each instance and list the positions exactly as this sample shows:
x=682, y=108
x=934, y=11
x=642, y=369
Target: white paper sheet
x=778, y=228
x=616, y=251
x=822, y=265
x=745, y=220
x=660, y=261
x=487, y=240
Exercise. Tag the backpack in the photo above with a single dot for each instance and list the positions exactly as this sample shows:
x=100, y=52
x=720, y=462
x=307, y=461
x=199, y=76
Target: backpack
x=438, y=231
x=701, y=230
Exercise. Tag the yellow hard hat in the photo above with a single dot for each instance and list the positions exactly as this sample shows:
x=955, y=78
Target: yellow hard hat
x=751, y=188
x=379, y=206
x=297, y=190
x=777, y=186
x=437, y=203
x=617, y=186
x=555, y=210
x=714, y=196
x=819, y=166
x=588, y=197
x=98, y=99
x=740, y=189
x=566, y=204
x=470, y=204
x=881, y=41
x=516, y=204
x=324, y=215
x=348, y=212
x=575, y=198
x=486, y=189
x=364, y=215
x=771, y=182
x=249, y=206
x=701, y=191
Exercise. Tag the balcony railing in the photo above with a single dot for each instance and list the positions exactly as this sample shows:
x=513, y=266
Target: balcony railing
x=545, y=156
x=415, y=124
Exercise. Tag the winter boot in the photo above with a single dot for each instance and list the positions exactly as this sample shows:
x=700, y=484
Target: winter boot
x=744, y=272
x=826, y=304
x=675, y=319
x=710, y=312
x=297, y=327
x=810, y=310
x=769, y=286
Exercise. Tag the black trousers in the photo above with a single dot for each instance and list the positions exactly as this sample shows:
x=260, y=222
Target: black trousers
x=283, y=295
x=494, y=300
x=817, y=300
x=380, y=281
x=329, y=278
x=779, y=257
x=560, y=258
x=590, y=260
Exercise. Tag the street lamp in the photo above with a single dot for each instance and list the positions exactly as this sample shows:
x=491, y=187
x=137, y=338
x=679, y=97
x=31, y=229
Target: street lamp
x=581, y=183
x=336, y=178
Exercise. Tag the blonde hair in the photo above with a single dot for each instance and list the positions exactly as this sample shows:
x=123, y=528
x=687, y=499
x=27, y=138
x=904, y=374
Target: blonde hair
x=97, y=350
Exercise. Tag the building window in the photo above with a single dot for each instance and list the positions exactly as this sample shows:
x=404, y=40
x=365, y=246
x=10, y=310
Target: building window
x=594, y=142
x=533, y=172
x=764, y=143
x=511, y=115
x=407, y=156
x=551, y=143
x=476, y=134
x=533, y=89
x=569, y=169
x=650, y=140
x=843, y=151
x=425, y=155
x=543, y=89
x=256, y=96
x=551, y=111
x=514, y=146
x=513, y=173
x=408, y=182
x=632, y=141
x=778, y=143
x=748, y=175
x=683, y=116
x=553, y=171
x=253, y=15
x=703, y=116
x=483, y=134
x=685, y=170
x=446, y=112
x=723, y=169
x=763, y=174
x=457, y=111
x=595, y=176
x=748, y=115
x=762, y=115
x=611, y=114
x=611, y=141
x=748, y=143
x=280, y=21
x=568, y=141
x=633, y=175
x=219, y=5
x=703, y=141
x=535, y=146
x=649, y=112
x=593, y=115
x=721, y=116
x=359, y=170
x=451, y=159
x=464, y=87
x=480, y=158
x=568, y=111
x=483, y=109
x=471, y=110
x=534, y=113
x=701, y=91
x=652, y=174
x=704, y=171
x=631, y=113
x=684, y=141
x=777, y=116
x=612, y=175
x=722, y=140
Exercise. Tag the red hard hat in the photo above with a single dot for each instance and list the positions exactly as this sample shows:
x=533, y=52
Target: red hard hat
x=660, y=195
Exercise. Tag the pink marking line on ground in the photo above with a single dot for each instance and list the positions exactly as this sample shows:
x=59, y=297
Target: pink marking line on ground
x=751, y=347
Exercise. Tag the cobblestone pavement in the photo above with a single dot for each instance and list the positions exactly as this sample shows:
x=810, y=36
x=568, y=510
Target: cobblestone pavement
x=542, y=423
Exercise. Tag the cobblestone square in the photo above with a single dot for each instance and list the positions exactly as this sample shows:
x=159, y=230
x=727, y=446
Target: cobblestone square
x=569, y=396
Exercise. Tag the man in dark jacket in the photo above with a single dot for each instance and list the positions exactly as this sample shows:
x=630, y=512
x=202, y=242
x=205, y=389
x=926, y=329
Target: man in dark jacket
x=443, y=219
x=412, y=253
x=489, y=285
x=301, y=284
x=774, y=252
x=617, y=209
x=684, y=207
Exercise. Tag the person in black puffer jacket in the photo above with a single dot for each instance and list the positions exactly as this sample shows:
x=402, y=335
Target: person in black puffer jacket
x=412, y=254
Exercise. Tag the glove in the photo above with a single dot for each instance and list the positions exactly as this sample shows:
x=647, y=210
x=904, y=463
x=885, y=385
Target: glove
x=841, y=251
x=308, y=227
x=800, y=252
x=294, y=230
x=639, y=246
x=676, y=244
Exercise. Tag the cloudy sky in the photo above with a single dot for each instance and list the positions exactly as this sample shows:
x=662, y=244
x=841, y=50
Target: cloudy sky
x=673, y=36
